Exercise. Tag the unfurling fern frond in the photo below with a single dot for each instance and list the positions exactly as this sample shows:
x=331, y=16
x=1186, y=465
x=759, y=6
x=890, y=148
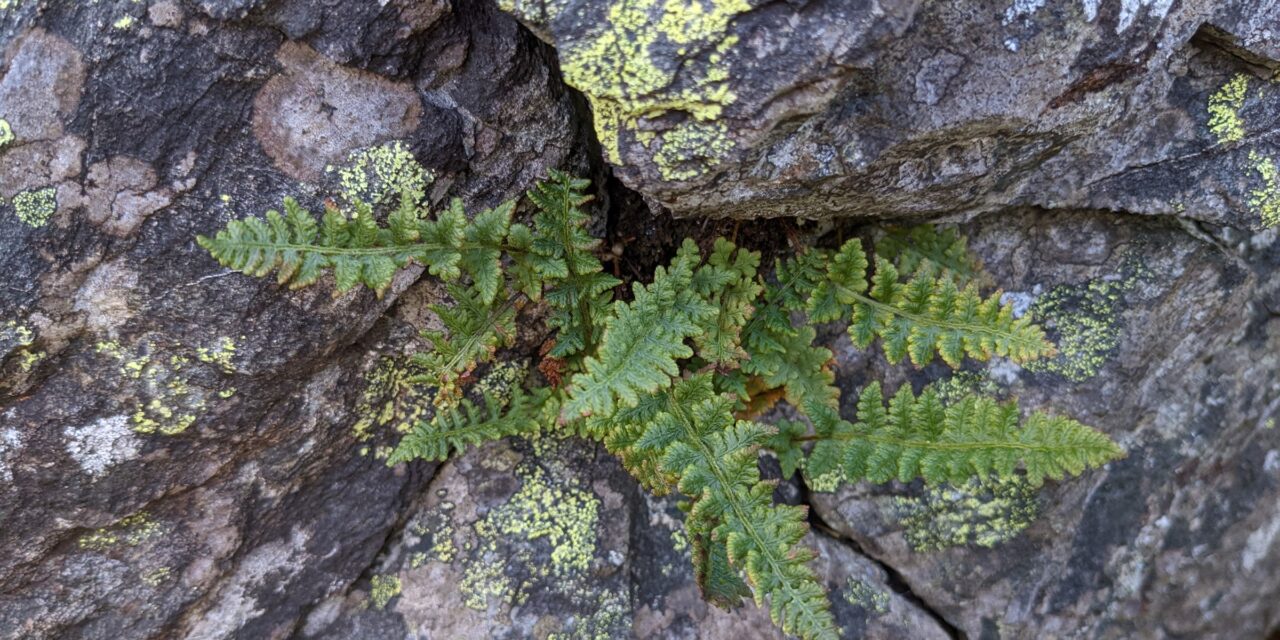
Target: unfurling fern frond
x=919, y=437
x=931, y=251
x=359, y=250
x=711, y=458
x=456, y=427
x=642, y=341
x=474, y=330
x=923, y=316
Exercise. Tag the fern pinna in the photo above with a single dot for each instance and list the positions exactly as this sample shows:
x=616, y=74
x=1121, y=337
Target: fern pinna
x=669, y=379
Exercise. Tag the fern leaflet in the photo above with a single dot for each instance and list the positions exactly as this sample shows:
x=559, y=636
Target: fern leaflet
x=712, y=459
x=474, y=331
x=456, y=427
x=919, y=437
x=643, y=341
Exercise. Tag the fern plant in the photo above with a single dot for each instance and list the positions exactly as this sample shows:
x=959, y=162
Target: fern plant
x=672, y=379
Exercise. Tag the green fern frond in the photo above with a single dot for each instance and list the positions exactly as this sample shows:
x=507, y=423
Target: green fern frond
x=919, y=437
x=642, y=341
x=456, y=427
x=728, y=282
x=561, y=258
x=931, y=251
x=781, y=354
x=474, y=330
x=712, y=459
x=923, y=316
x=358, y=249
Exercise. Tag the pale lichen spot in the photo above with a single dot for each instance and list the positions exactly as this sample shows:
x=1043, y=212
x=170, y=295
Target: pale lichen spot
x=1266, y=199
x=6, y=133
x=860, y=593
x=102, y=444
x=1224, y=110
x=36, y=206
x=10, y=442
x=124, y=23
x=985, y=512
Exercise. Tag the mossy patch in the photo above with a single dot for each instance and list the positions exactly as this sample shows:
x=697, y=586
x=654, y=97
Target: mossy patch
x=982, y=513
x=1224, y=110
x=36, y=206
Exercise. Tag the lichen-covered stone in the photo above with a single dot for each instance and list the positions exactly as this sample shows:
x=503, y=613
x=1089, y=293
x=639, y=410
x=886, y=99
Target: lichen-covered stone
x=138, y=377
x=901, y=108
x=1170, y=343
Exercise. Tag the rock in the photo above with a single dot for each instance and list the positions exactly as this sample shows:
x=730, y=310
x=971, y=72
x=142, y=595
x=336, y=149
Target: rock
x=525, y=539
x=896, y=108
x=1167, y=342
x=177, y=455
x=186, y=452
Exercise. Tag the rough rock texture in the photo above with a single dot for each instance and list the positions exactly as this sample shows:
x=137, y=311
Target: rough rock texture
x=176, y=448
x=1171, y=344
x=901, y=107
x=191, y=453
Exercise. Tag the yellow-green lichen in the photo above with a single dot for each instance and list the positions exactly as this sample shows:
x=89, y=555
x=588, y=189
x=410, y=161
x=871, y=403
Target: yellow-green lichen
x=130, y=532
x=983, y=512
x=628, y=80
x=1269, y=424
x=542, y=515
x=1266, y=200
x=417, y=559
x=125, y=22
x=1224, y=110
x=219, y=354
x=156, y=577
x=1086, y=319
x=381, y=175
x=391, y=398
x=861, y=594
x=36, y=206
x=166, y=402
x=17, y=340
x=6, y=133
x=382, y=589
